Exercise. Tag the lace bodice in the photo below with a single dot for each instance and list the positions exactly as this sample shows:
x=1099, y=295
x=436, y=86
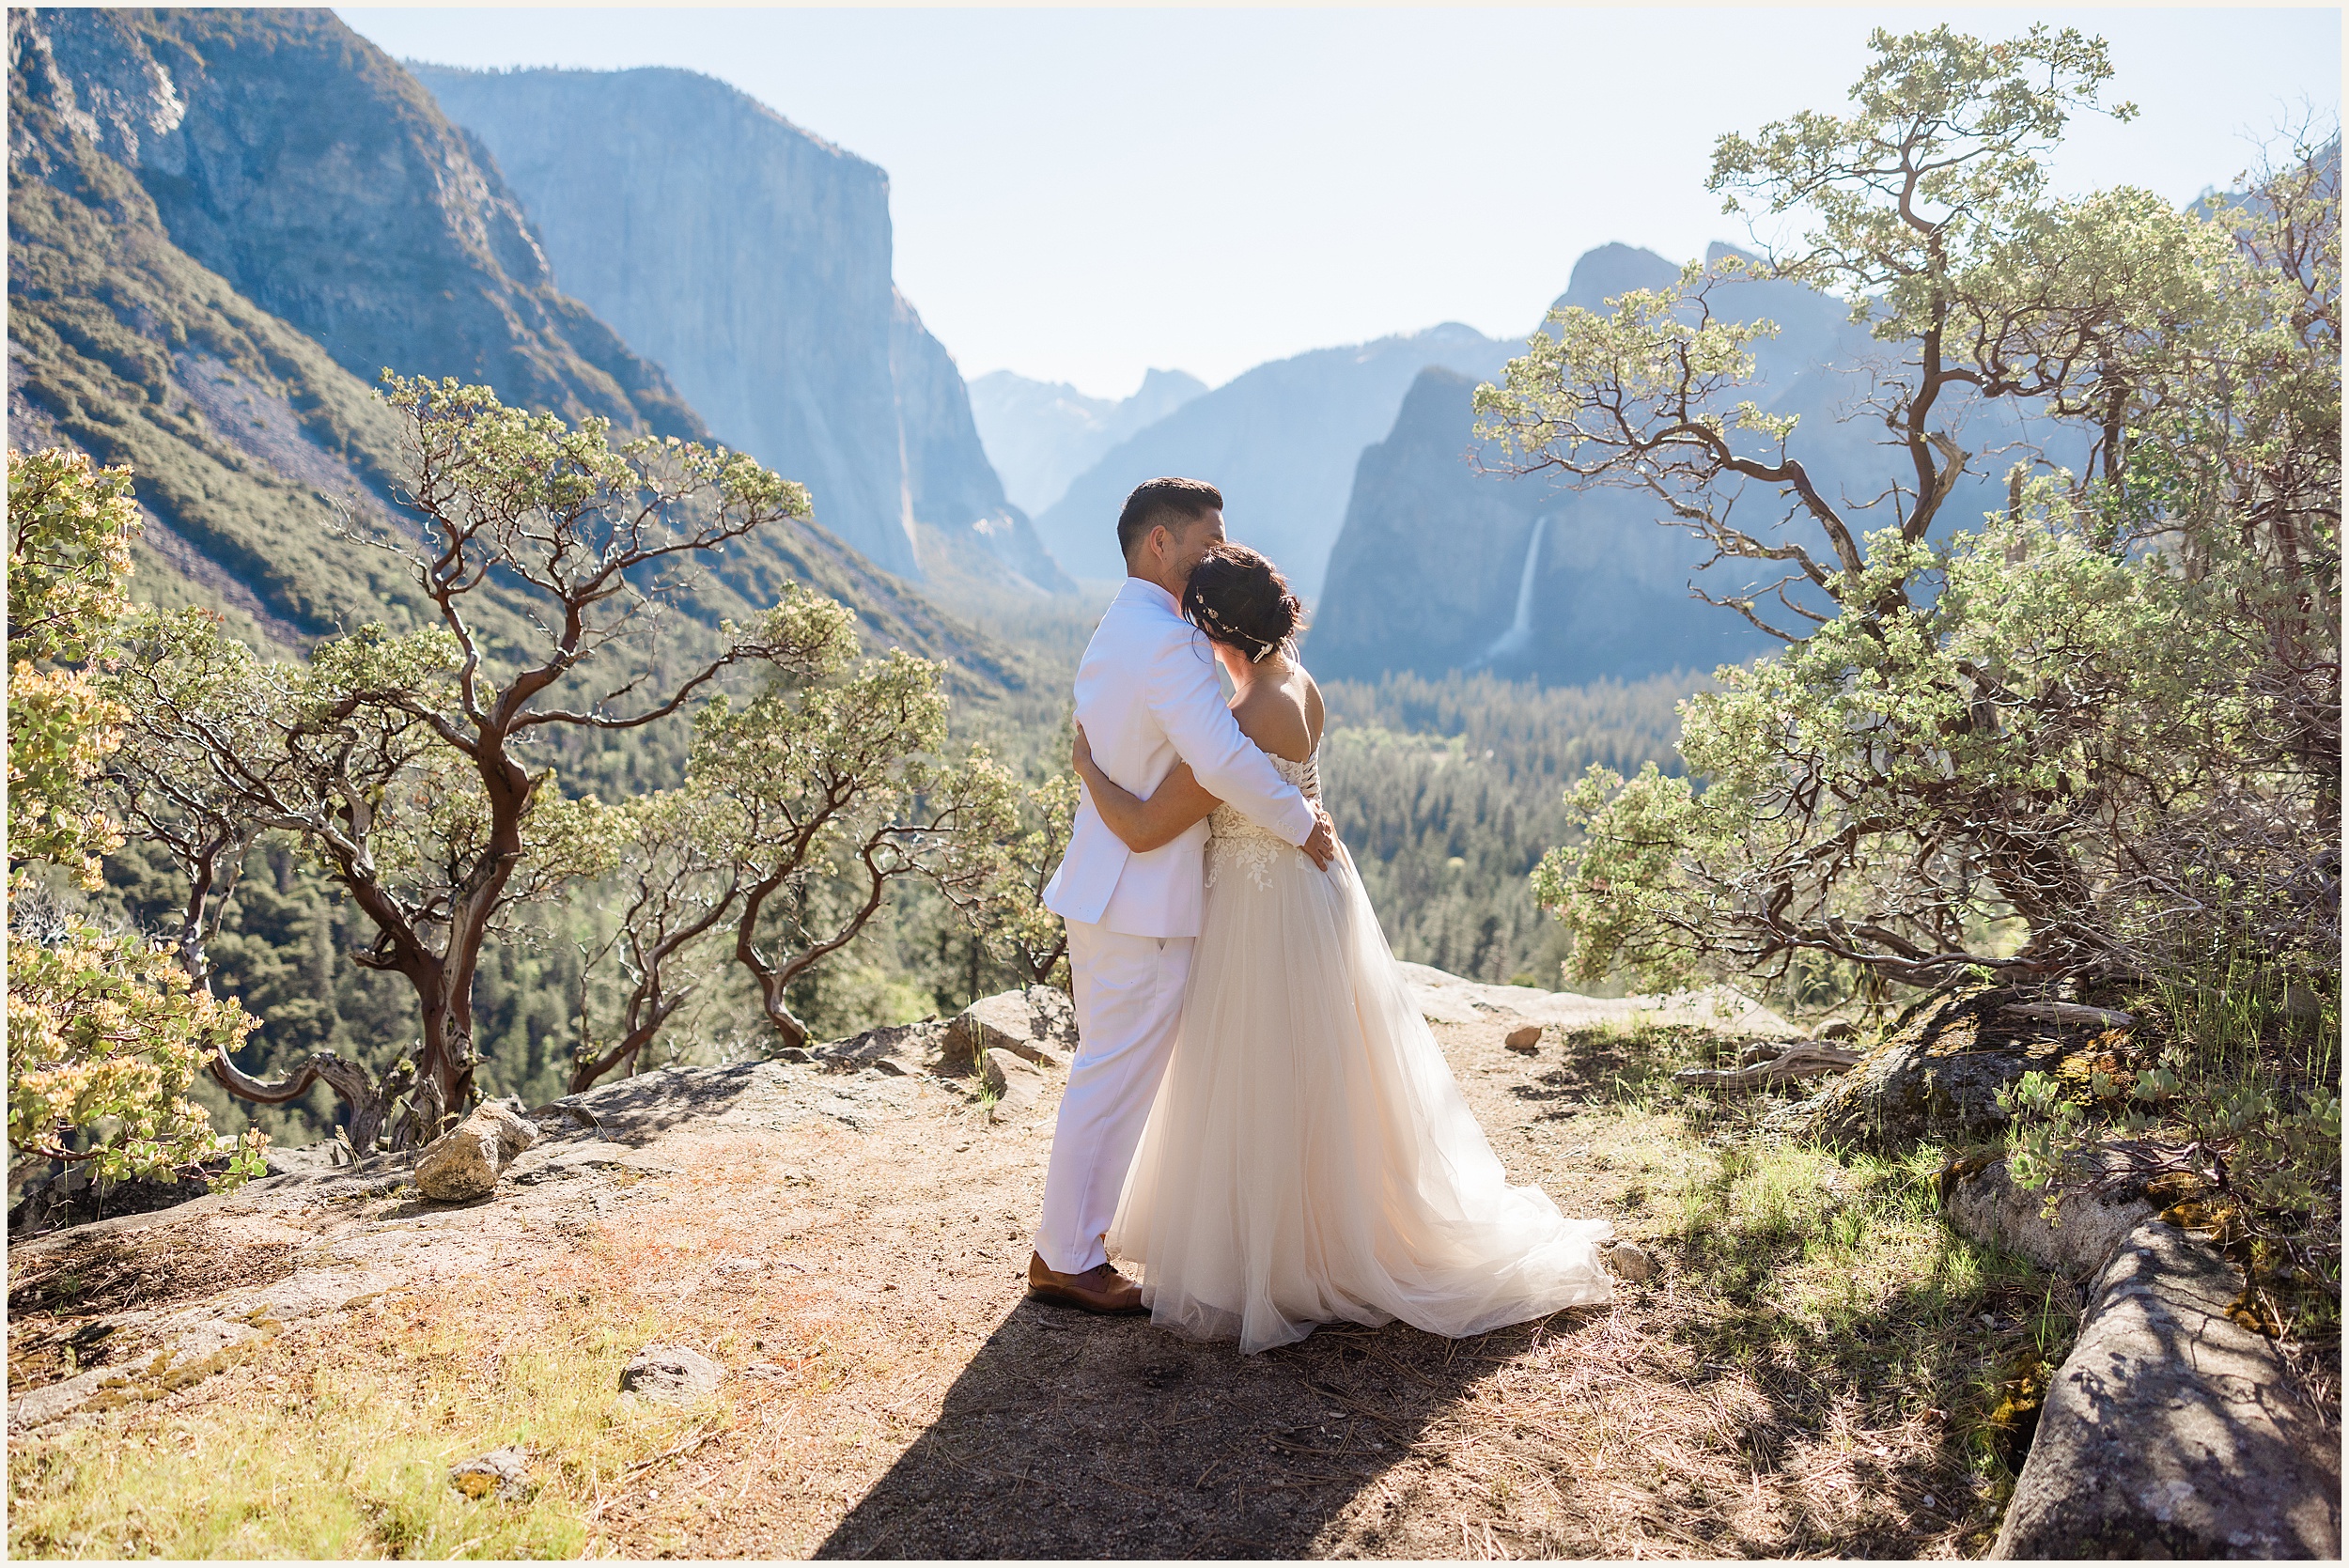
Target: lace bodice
x=1235, y=841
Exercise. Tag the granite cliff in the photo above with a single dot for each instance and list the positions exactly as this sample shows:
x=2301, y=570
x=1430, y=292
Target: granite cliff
x=1280, y=440
x=1040, y=435
x=752, y=259
x=301, y=163
x=1441, y=565
x=130, y=132
x=1438, y=567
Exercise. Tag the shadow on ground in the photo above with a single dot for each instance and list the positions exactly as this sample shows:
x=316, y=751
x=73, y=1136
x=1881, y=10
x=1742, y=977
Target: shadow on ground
x=635, y=1111
x=1071, y=1436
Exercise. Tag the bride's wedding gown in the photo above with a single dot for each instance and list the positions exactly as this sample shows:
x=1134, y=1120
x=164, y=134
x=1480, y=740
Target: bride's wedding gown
x=1308, y=1158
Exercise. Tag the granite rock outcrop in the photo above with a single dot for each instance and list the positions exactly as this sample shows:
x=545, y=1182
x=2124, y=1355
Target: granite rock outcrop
x=1445, y=562
x=301, y=163
x=123, y=140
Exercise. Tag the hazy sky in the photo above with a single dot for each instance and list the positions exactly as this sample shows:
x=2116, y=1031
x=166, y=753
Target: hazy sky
x=1079, y=194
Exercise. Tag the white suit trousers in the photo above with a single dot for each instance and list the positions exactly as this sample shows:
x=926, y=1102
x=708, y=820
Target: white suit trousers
x=1130, y=1001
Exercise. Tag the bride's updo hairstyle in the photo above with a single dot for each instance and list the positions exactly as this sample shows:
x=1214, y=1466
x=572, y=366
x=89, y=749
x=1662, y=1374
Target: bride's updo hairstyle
x=1240, y=600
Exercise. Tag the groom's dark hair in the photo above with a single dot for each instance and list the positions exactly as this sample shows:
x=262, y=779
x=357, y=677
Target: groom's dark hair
x=1160, y=501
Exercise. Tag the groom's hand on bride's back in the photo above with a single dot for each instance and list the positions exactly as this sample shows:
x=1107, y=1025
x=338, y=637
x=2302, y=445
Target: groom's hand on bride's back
x=1322, y=844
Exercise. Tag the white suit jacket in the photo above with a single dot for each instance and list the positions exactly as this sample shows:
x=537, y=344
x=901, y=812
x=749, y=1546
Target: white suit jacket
x=1147, y=694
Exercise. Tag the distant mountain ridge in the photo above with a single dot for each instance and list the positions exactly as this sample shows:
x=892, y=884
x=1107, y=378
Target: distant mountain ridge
x=1040, y=435
x=752, y=259
x=1442, y=567
x=1281, y=441
x=280, y=143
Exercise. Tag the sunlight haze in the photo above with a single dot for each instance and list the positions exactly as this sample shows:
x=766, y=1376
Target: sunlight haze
x=1080, y=195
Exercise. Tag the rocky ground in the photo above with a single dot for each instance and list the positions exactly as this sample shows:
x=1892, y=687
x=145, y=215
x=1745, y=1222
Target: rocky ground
x=847, y=1236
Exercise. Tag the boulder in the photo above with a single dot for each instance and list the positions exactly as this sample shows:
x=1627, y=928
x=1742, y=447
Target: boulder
x=465, y=1163
x=899, y=1049
x=1982, y=1200
x=1038, y=1023
x=1015, y=1082
x=1526, y=1040
x=670, y=1375
x=1937, y=1073
x=2172, y=1431
x=503, y=1473
x=1630, y=1261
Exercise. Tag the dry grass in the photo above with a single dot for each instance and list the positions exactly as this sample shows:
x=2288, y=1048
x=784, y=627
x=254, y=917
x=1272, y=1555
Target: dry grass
x=1814, y=1373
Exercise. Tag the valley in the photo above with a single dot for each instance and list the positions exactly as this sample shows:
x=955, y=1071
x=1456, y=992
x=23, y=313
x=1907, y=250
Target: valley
x=229, y=364
x=539, y=719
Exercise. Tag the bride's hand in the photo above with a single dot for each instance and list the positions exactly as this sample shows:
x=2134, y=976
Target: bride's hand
x=1082, y=754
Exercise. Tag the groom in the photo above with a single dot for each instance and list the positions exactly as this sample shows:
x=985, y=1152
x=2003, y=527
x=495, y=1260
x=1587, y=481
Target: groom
x=1147, y=695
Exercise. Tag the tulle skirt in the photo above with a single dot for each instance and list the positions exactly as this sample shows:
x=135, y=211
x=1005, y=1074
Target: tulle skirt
x=1308, y=1158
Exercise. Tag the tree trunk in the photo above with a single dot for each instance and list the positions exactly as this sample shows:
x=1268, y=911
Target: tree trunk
x=779, y=1013
x=445, y=1061
x=352, y=1084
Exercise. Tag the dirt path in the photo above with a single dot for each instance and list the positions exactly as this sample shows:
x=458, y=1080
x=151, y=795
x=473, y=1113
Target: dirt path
x=851, y=1246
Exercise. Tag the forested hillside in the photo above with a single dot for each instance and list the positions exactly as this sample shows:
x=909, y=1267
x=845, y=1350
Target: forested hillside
x=260, y=456
x=1449, y=791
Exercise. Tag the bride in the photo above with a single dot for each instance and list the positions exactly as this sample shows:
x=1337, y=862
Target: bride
x=1308, y=1159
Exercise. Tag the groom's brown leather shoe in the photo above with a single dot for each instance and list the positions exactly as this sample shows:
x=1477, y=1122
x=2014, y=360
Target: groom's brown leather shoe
x=1098, y=1289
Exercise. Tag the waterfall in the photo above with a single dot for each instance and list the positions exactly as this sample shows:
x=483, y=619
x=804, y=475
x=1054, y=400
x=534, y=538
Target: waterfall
x=1518, y=639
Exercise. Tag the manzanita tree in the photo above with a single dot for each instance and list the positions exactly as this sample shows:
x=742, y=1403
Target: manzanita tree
x=804, y=805
x=678, y=879
x=836, y=793
x=1030, y=936
x=554, y=563
x=105, y=1032
x=2103, y=718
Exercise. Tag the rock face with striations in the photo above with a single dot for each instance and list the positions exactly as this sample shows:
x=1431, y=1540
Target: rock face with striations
x=302, y=165
x=131, y=132
x=1442, y=567
x=753, y=260
x=122, y=345
x=2172, y=1431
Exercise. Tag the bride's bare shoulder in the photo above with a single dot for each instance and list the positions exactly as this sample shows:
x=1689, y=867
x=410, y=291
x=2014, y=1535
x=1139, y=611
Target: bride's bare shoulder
x=1275, y=718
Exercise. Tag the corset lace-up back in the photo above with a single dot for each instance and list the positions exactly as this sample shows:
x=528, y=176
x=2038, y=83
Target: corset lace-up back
x=1236, y=842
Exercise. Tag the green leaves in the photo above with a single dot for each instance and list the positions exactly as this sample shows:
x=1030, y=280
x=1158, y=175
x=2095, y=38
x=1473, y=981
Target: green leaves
x=106, y=1032
x=826, y=783
x=2108, y=713
x=105, y=1035
x=1015, y=919
x=560, y=506
x=1939, y=153
x=69, y=529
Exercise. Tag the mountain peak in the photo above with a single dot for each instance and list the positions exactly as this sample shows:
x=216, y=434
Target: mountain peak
x=1611, y=270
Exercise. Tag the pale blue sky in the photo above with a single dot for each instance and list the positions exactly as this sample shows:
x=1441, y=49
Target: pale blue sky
x=1080, y=194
